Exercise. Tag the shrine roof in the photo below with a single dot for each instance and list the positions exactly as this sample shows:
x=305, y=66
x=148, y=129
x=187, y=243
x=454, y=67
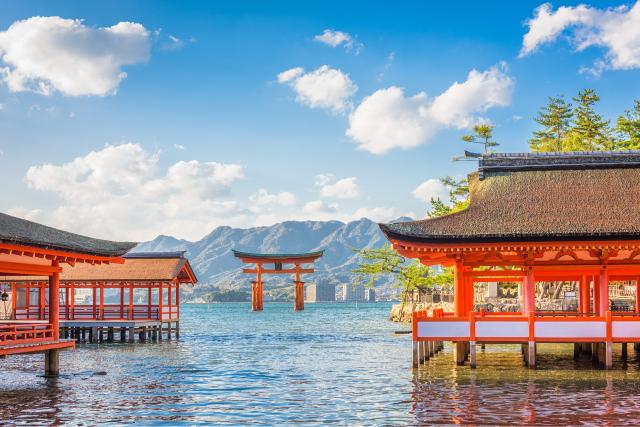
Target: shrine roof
x=540, y=197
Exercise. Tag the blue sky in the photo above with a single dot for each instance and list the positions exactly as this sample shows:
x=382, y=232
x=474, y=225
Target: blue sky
x=201, y=132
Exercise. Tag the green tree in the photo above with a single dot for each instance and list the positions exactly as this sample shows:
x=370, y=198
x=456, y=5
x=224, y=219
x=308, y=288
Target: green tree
x=555, y=119
x=628, y=129
x=589, y=132
x=482, y=134
x=407, y=275
x=458, y=198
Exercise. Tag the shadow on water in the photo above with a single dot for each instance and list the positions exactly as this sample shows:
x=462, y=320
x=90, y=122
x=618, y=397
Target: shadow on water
x=331, y=364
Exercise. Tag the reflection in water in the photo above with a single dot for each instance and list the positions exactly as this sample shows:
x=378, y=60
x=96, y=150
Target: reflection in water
x=501, y=391
x=330, y=364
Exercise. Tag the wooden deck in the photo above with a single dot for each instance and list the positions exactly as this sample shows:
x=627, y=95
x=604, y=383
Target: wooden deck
x=36, y=347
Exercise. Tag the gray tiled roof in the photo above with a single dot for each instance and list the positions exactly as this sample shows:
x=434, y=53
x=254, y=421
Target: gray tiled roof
x=22, y=232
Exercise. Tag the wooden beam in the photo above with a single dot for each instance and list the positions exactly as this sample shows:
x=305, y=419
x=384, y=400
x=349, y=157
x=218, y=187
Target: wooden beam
x=28, y=269
x=273, y=271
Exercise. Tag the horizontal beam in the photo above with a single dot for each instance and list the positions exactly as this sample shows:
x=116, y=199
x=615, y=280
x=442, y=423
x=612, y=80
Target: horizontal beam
x=273, y=271
x=494, y=273
x=28, y=269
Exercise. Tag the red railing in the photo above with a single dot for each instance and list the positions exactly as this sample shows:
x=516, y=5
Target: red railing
x=25, y=333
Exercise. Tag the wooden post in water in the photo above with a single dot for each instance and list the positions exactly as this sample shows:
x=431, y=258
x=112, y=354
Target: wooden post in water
x=52, y=363
x=460, y=352
x=415, y=354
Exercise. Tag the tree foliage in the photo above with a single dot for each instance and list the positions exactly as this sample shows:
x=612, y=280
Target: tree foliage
x=628, y=129
x=408, y=275
x=458, y=198
x=483, y=135
x=555, y=119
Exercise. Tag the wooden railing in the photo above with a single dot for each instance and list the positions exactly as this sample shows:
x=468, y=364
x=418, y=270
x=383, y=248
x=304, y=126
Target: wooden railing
x=25, y=333
x=108, y=312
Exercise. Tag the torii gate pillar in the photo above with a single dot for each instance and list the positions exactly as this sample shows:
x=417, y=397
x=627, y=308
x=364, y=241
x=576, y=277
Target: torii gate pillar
x=257, y=303
x=298, y=295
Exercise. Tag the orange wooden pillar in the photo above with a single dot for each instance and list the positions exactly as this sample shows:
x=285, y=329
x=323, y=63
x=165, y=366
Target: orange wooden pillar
x=54, y=301
x=257, y=291
x=604, y=291
x=41, y=301
x=101, y=302
x=160, y=303
x=131, y=301
x=169, y=300
x=459, y=300
x=638, y=294
x=298, y=291
x=298, y=295
x=72, y=301
x=529, y=292
x=149, y=298
x=178, y=300
x=121, y=300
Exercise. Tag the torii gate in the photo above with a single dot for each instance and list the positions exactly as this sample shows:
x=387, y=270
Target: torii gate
x=278, y=260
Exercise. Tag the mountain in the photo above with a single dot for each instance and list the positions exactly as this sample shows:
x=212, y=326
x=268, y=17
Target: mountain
x=216, y=267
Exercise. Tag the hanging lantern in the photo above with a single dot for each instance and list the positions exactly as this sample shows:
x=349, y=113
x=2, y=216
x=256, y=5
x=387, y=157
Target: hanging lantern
x=4, y=296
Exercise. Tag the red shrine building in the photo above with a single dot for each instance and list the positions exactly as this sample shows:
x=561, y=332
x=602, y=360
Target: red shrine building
x=140, y=296
x=543, y=217
x=30, y=249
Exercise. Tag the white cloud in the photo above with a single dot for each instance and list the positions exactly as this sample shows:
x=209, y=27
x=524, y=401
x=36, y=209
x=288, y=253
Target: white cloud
x=325, y=87
x=320, y=207
x=119, y=192
x=388, y=119
x=264, y=198
x=614, y=29
x=179, y=147
x=377, y=214
x=47, y=54
x=329, y=186
x=431, y=188
x=336, y=38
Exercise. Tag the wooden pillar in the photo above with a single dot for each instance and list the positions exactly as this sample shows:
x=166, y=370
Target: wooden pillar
x=131, y=301
x=66, y=302
x=14, y=300
x=625, y=351
x=132, y=332
x=298, y=296
x=121, y=300
x=596, y=294
x=257, y=292
x=604, y=291
x=531, y=348
x=531, y=356
x=459, y=290
x=177, y=305
x=41, y=301
x=101, y=309
x=54, y=303
x=72, y=300
x=52, y=363
x=529, y=291
x=472, y=339
x=415, y=354
x=608, y=351
x=160, y=303
x=149, y=301
x=93, y=336
x=94, y=315
x=638, y=295
x=169, y=300
x=460, y=352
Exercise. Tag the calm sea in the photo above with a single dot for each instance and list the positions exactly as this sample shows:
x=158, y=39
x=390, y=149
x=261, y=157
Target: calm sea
x=331, y=364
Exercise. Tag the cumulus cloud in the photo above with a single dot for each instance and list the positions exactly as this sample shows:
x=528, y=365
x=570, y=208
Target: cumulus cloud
x=320, y=207
x=388, y=119
x=325, y=87
x=431, y=188
x=330, y=186
x=47, y=54
x=121, y=191
x=336, y=38
x=613, y=29
x=264, y=198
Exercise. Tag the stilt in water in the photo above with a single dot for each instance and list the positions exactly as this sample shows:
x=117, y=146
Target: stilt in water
x=132, y=334
x=576, y=350
x=52, y=363
x=415, y=355
x=625, y=352
x=472, y=355
x=531, y=354
x=460, y=352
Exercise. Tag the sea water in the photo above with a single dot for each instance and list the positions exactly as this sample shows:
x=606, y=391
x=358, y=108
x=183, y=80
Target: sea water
x=330, y=364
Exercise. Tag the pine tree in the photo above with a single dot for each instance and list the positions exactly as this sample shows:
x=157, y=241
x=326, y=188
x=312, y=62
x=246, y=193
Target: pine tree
x=590, y=132
x=555, y=119
x=628, y=129
x=483, y=135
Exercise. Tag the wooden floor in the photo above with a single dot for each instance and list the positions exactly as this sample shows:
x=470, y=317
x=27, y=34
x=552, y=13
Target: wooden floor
x=100, y=331
x=37, y=347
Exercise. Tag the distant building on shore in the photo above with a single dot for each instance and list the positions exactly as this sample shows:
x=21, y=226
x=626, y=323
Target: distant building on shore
x=370, y=295
x=321, y=292
x=353, y=293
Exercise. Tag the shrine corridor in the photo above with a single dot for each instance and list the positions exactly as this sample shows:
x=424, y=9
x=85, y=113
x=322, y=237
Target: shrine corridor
x=232, y=366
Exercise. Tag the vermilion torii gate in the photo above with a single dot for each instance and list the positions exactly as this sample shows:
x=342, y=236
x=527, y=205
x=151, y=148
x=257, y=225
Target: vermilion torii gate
x=278, y=260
